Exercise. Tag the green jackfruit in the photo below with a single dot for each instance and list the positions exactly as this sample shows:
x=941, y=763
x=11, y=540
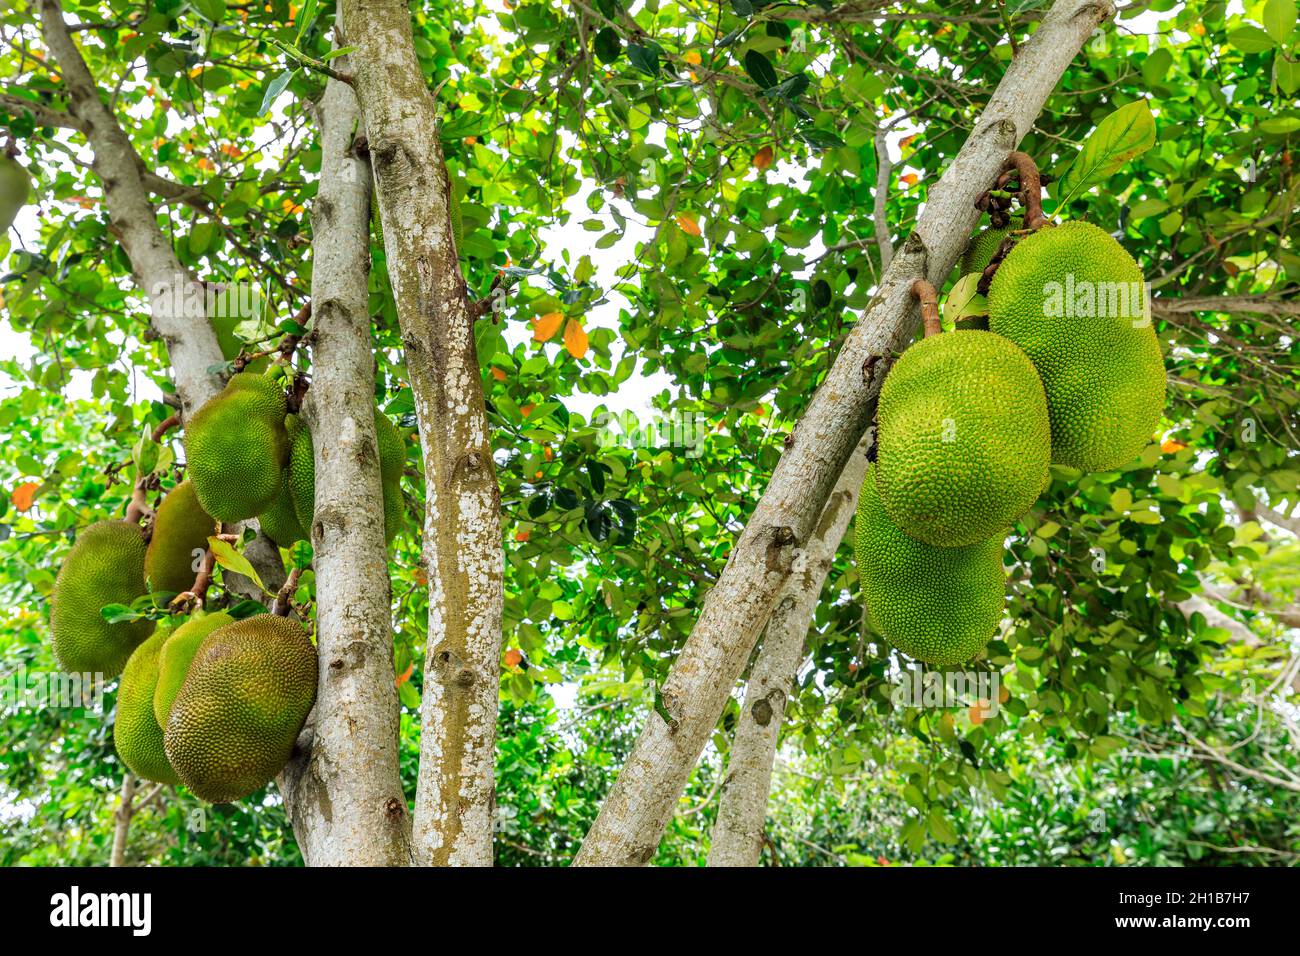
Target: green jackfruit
x=982, y=247
x=236, y=448
x=1074, y=300
x=136, y=733
x=280, y=521
x=181, y=529
x=105, y=566
x=392, y=461
x=15, y=187
x=964, y=439
x=175, y=656
x=937, y=605
x=233, y=724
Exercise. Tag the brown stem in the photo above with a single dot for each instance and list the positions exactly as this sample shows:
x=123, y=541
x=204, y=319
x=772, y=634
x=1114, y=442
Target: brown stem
x=166, y=425
x=198, y=592
x=1031, y=188
x=929, y=299
x=283, y=604
x=986, y=277
x=139, y=506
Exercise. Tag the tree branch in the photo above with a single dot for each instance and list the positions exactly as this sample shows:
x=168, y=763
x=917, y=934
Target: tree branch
x=641, y=802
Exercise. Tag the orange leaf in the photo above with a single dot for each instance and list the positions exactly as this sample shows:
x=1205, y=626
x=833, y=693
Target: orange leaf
x=575, y=339
x=526, y=410
x=545, y=326
x=498, y=373
x=421, y=576
x=688, y=225
x=547, y=453
x=1171, y=446
x=514, y=657
x=403, y=677
x=523, y=535
x=909, y=178
x=763, y=158
x=24, y=495
x=693, y=58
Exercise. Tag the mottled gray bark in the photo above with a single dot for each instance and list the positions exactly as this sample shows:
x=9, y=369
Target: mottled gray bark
x=641, y=802
x=737, y=838
x=344, y=792
x=462, y=522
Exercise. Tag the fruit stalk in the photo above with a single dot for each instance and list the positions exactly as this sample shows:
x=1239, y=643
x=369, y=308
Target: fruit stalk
x=926, y=295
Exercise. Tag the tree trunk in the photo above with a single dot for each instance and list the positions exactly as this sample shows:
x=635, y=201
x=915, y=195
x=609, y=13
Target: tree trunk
x=122, y=820
x=634, y=815
x=737, y=838
x=344, y=795
x=462, y=526
x=191, y=343
x=192, y=346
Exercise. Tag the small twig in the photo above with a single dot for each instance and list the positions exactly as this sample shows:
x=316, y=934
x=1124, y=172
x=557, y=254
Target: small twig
x=138, y=509
x=166, y=425
x=283, y=602
x=198, y=592
x=929, y=299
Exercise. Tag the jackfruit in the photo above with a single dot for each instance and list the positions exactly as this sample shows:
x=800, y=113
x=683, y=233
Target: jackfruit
x=964, y=438
x=15, y=187
x=136, y=733
x=233, y=724
x=280, y=521
x=175, y=656
x=1074, y=300
x=181, y=529
x=237, y=448
x=392, y=461
x=937, y=605
x=105, y=566
x=981, y=249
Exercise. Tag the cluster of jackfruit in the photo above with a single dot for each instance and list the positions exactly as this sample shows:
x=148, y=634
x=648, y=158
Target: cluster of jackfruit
x=216, y=704
x=970, y=420
x=249, y=458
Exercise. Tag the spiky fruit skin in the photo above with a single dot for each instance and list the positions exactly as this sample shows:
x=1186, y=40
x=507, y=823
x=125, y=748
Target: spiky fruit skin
x=175, y=656
x=964, y=439
x=105, y=566
x=1099, y=360
x=233, y=724
x=936, y=605
x=15, y=187
x=236, y=448
x=136, y=733
x=980, y=252
x=280, y=521
x=181, y=529
x=392, y=460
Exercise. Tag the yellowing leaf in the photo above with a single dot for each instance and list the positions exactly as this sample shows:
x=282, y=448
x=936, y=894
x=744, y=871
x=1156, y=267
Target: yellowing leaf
x=24, y=495
x=1170, y=446
x=763, y=158
x=693, y=58
x=688, y=225
x=575, y=339
x=499, y=374
x=230, y=559
x=545, y=326
x=403, y=677
x=909, y=178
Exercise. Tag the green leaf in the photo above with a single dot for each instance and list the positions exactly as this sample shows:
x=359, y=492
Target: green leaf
x=247, y=608
x=607, y=45
x=940, y=828
x=760, y=69
x=214, y=10
x=409, y=695
x=1280, y=125
x=1279, y=19
x=306, y=17
x=644, y=57
x=1124, y=134
x=274, y=88
x=118, y=613
x=1286, y=73
x=743, y=8
x=230, y=559
x=820, y=139
x=1249, y=39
